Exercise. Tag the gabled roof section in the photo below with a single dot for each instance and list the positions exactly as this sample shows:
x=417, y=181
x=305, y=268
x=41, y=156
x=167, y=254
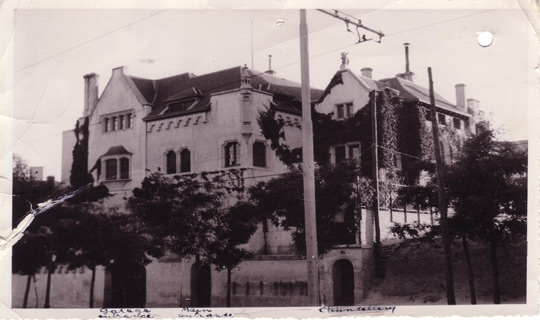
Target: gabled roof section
x=159, y=93
x=116, y=150
x=368, y=83
x=413, y=92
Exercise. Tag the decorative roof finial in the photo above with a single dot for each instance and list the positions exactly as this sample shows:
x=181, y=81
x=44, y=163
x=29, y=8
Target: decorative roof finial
x=344, y=61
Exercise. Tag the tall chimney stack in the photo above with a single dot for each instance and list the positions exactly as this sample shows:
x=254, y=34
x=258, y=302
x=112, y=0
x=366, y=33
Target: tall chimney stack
x=460, y=97
x=407, y=69
x=407, y=75
x=270, y=71
x=90, y=93
x=366, y=72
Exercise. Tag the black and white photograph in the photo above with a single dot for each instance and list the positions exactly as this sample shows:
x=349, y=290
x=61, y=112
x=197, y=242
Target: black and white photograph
x=211, y=159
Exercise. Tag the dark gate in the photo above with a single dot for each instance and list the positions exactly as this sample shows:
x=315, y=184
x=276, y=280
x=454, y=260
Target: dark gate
x=201, y=285
x=126, y=286
x=343, y=275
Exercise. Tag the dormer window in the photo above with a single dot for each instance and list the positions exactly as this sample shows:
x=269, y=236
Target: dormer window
x=180, y=105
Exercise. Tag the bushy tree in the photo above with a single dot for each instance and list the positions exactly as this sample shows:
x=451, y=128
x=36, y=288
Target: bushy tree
x=191, y=216
x=281, y=199
x=489, y=193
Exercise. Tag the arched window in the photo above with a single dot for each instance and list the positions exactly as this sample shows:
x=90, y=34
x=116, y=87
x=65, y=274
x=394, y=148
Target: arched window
x=111, y=169
x=259, y=154
x=106, y=125
x=185, y=160
x=124, y=168
x=171, y=162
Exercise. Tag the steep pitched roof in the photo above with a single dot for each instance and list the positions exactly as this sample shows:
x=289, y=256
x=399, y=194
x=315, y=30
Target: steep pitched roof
x=146, y=87
x=412, y=92
x=186, y=86
x=116, y=150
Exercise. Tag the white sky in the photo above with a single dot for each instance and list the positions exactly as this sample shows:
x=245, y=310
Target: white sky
x=53, y=49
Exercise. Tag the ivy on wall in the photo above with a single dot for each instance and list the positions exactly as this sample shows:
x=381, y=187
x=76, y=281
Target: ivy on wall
x=79, y=168
x=401, y=129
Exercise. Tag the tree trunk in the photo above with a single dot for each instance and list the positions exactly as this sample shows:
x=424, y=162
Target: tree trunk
x=92, y=282
x=405, y=212
x=228, y=299
x=27, y=290
x=431, y=214
x=418, y=214
x=391, y=211
x=470, y=271
x=48, y=290
x=495, y=270
x=265, y=232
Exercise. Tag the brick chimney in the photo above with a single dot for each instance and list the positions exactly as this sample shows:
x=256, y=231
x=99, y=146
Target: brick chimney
x=90, y=93
x=460, y=97
x=367, y=72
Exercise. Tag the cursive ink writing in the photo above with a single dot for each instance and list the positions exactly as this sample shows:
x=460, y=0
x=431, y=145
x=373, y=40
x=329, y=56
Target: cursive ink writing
x=202, y=313
x=125, y=313
x=356, y=309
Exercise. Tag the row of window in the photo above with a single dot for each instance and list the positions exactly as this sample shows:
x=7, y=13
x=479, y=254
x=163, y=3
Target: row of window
x=446, y=120
x=351, y=153
x=231, y=152
x=119, y=122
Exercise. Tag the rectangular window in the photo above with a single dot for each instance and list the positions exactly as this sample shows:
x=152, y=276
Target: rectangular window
x=111, y=169
x=340, y=154
x=232, y=154
x=354, y=153
x=349, y=110
x=114, y=124
x=106, y=125
x=128, y=120
x=442, y=119
x=397, y=161
x=457, y=123
x=120, y=122
x=259, y=154
x=428, y=115
x=340, y=111
x=124, y=168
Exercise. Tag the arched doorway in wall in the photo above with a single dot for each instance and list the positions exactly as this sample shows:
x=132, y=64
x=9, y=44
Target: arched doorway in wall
x=125, y=286
x=201, y=285
x=343, y=276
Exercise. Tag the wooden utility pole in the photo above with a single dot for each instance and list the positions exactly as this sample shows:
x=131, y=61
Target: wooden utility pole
x=379, y=272
x=308, y=169
x=450, y=295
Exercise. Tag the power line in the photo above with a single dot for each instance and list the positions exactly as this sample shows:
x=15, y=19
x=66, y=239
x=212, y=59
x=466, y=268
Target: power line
x=88, y=41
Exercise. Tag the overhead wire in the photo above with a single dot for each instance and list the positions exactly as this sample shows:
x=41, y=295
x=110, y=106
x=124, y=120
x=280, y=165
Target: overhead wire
x=253, y=74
